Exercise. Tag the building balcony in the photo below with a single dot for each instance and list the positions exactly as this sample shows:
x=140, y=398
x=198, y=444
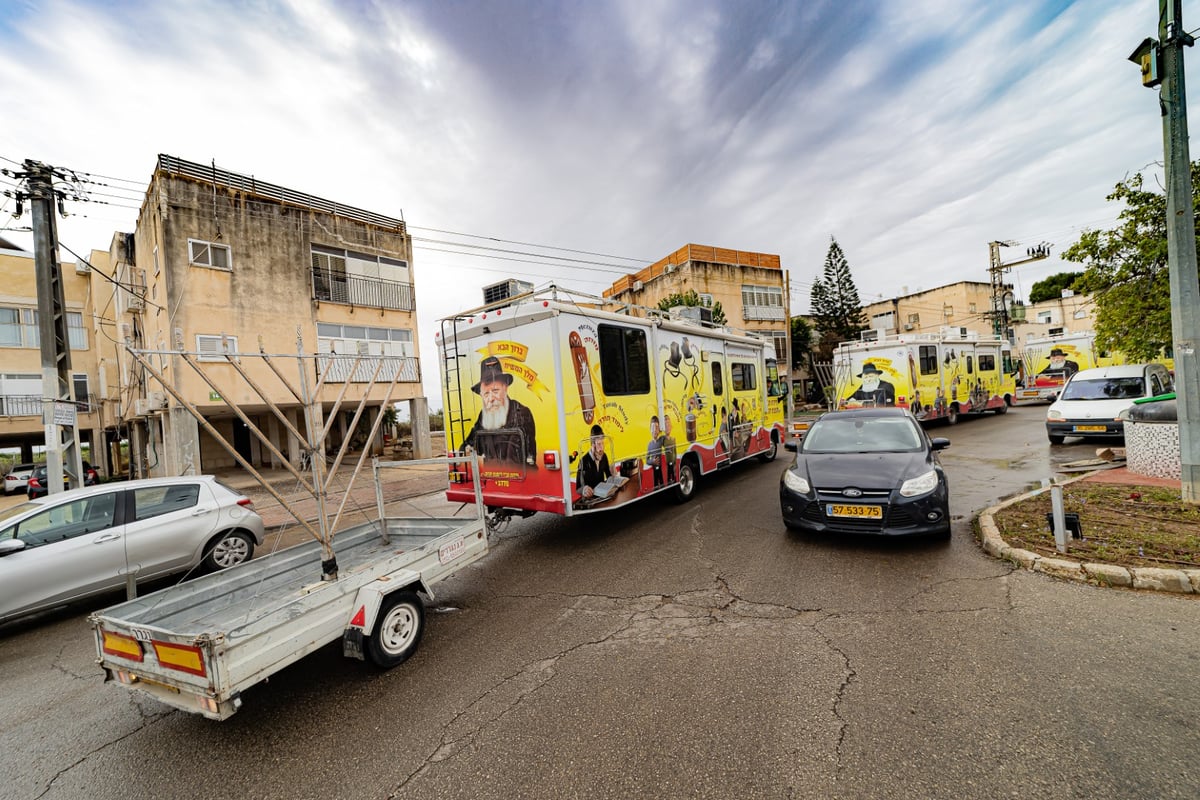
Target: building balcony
x=331, y=286
x=31, y=405
x=771, y=313
x=340, y=368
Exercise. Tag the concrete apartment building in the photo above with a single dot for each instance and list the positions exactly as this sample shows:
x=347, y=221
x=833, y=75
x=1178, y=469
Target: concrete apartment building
x=966, y=304
x=222, y=263
x=751, y=288
x=21, y=388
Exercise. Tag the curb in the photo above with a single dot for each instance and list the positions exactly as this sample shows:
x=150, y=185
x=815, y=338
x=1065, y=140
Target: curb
x=1176, y=581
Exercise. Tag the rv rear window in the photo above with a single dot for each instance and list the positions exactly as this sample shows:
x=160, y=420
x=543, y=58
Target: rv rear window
x=624, y=360
x=743, y=377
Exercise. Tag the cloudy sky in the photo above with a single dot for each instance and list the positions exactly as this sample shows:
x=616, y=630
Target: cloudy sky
x=912, y=131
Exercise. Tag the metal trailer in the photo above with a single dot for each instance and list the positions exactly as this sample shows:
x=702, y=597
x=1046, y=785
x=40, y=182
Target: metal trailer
x=200, y=644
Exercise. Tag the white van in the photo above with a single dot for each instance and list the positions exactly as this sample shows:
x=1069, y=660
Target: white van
x=1091, y=402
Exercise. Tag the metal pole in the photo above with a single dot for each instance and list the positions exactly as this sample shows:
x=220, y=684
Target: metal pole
x=1181, y=245
x=1059, y=517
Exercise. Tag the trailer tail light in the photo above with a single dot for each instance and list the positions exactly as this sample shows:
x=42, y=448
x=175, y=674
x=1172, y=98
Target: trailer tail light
x=122, y=646
x=183, y=657
x=550, y=459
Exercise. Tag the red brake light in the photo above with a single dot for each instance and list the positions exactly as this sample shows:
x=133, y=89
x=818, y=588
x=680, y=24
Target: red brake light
x=550, y=458
x=245, y=501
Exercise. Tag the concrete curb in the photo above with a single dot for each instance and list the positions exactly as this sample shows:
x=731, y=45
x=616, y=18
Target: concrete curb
x=1177, y=581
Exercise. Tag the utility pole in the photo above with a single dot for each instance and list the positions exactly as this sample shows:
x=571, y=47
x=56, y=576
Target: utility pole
x=58, y=386
x=1162, y=62
x=999, y=291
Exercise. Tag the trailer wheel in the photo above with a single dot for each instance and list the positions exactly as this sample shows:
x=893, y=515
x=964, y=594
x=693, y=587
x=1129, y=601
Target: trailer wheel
x=398, y=631
x=768, y=455
x=228, y=550
x=685, y=489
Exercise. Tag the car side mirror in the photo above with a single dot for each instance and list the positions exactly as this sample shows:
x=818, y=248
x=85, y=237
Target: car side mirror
x=940, y=443
x=9, y=546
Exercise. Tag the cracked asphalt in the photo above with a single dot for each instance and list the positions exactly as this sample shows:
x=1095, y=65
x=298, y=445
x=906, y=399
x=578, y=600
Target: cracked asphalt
x=695, y=651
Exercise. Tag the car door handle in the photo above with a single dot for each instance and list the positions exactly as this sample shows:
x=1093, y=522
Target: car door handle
x=108, y=537
x=199, y=512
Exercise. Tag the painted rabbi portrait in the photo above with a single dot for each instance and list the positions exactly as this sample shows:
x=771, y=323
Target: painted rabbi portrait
x=504, y=429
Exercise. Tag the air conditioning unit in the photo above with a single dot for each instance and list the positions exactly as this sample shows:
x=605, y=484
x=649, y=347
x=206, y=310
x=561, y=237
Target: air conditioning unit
x=134, y=302
x=81, y=267
x=908, y=326
x=157, y=399
x=637, y=286
x=669, y=268
x=142, y=407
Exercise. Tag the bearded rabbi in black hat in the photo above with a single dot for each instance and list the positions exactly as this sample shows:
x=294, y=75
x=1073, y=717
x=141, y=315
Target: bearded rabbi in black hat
x=504, y=429
x=874, y=389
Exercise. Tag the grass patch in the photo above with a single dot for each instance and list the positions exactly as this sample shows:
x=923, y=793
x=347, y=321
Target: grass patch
x=1138, y=526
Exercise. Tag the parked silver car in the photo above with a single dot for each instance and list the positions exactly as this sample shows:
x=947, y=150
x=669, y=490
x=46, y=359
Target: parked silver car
x=83, y=542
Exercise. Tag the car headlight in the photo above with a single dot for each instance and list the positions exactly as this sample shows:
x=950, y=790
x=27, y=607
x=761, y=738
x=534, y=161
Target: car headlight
x=793, y=481
x=1053, y=414
x=921, y=485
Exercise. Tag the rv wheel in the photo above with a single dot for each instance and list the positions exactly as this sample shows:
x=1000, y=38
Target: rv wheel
x=685, y=489
x=769, y=454
x=398, y=631
x=952, y=415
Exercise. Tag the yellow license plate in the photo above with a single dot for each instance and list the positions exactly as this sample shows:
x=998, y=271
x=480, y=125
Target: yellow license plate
x=867, y=512
x=1100, y=428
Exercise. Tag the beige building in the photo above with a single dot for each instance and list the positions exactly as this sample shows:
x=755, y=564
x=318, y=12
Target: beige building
x=224, y=264
x=22, y=396
x=751, y=288
x=1071, y=313
x=966, y=304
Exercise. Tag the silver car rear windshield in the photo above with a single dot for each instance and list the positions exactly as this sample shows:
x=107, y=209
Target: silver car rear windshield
x=863, y=435
x=1105, y=389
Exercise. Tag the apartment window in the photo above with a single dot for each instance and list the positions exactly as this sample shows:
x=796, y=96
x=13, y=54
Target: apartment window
x=336, y=338
x=706, y=299
x=624, y=360
x=214, y=348
x=10, y=327
x=929, y=359
x=971, y=307
x=914, y=319
x=1044, y=318
x=948, y=311
x=80, y=380
x=742, y=376
x=762, y=302
x=76, y=333
x=1055, y=332
x=208, y=254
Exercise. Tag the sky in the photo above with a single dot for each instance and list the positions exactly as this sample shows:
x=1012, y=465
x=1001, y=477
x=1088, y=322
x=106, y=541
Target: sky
x=578, y=141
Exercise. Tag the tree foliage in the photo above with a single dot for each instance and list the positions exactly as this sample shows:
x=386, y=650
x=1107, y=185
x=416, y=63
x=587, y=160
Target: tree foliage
x=691, y=298
x=1052, y=287
x=1126, y=271
x=836, y=309
x=801, y=342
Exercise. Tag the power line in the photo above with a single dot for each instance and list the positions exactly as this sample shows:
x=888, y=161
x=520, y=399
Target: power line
x=532, y=244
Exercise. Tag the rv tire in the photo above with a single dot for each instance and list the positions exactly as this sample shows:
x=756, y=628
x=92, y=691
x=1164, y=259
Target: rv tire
x=952, y=415
x=768, y=455
x=1002, y=408
x=685, y=488
x=397, y=631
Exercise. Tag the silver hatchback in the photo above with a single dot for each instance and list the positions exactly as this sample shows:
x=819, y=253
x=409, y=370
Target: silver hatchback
x=84, y=542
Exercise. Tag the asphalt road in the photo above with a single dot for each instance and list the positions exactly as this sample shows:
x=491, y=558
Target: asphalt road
x=679, y=651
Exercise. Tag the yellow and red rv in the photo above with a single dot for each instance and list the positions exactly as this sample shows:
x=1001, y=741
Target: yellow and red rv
x=578, y=405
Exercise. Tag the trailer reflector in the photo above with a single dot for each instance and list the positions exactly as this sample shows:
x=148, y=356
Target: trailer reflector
x=183, y=657
x=118, y=644
x=360, y=617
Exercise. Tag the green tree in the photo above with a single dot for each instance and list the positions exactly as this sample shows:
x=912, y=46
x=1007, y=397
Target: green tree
x=801, y=342
x=836, y=308
x=1126, y=271
x=1052, y=288
x=691, y=298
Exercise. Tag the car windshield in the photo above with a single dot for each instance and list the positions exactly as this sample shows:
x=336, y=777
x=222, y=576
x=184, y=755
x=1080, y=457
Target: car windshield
x=1105, y=389
x=856, y=434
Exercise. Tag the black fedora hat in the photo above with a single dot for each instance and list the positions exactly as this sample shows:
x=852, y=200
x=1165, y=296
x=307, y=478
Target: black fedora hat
x=1057, y=352
x=869, y=369
x=491, y=371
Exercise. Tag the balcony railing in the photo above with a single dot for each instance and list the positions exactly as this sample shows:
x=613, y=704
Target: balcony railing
x=31, y=405
x=331, y=286
x=343, y=365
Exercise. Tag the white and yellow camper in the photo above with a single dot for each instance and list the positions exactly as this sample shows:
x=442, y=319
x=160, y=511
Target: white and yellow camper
x=578, y=406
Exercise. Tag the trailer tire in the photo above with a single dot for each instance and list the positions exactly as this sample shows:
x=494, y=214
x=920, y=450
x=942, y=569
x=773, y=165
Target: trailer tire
x=227, y=550
x=398, y=630
x=685, y=488
x=768, y=455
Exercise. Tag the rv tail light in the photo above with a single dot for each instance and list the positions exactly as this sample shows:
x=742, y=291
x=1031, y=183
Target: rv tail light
x=550, y=459
x=118, y=644
x=183, y=657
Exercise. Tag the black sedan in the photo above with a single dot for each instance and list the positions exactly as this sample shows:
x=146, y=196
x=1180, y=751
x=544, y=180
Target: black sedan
x=38, y=486
x=868, y=470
